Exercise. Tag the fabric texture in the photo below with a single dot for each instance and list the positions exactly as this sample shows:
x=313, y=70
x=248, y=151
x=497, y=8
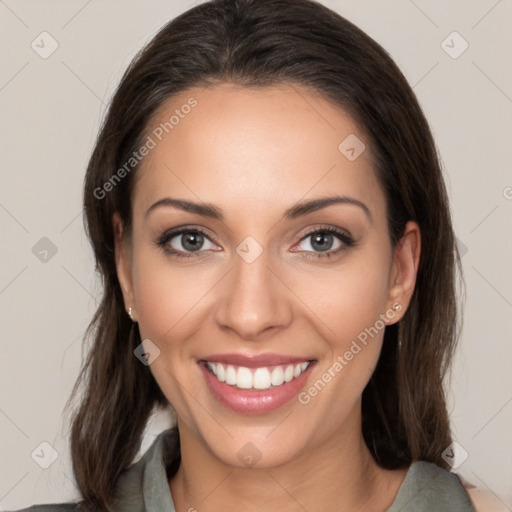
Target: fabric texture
x=144, y=487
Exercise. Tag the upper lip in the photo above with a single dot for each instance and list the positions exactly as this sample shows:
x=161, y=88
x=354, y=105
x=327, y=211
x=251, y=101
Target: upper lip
x=255, y=361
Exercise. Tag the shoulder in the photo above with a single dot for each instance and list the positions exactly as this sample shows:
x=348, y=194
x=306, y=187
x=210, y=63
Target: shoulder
x=51, y=507
x=145, y=481
x=428, y=487
x=149, y=472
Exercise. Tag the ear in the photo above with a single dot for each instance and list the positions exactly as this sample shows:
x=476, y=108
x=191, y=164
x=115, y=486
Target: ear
x=404, y=270
x=123, y=264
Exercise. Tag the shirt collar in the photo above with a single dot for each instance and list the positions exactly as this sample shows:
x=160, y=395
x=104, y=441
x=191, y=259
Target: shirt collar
x=145, y=484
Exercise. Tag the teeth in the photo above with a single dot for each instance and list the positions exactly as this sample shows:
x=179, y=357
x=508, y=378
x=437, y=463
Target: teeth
x=259, y=378
x=221, y=373
x=230, y=376
x=288, y=373
x=277, y=376
x=243, y=378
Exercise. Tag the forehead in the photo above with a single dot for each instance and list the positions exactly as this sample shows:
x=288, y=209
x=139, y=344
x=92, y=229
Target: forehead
x=257, y=148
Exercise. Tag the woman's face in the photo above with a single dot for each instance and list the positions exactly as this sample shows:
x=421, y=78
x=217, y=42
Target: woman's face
x=256, y=286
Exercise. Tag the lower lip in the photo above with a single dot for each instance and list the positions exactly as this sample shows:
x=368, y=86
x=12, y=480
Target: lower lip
x=254, y=401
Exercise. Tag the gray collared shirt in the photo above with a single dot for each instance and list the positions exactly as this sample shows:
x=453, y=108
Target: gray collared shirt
x=144, y=487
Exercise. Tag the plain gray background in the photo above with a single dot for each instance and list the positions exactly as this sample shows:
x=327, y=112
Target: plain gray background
x=51, y=109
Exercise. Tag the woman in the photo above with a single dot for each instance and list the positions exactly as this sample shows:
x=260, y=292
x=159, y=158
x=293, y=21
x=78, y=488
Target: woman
x=270, y=221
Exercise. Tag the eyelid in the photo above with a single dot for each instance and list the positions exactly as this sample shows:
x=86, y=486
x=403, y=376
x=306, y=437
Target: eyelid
x=186, y=228
x=162, y=242
x=343, y=236
x=328, y=229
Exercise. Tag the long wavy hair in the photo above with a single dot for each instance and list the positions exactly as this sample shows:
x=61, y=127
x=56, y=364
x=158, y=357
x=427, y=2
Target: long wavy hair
x=258, y=43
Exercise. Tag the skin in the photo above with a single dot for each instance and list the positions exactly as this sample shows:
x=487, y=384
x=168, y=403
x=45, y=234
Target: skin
x=254, y=153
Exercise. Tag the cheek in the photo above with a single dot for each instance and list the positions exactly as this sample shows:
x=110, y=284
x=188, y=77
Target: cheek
x=349, y=313
x=167, y=295
x=348, y=303
x=345, y=299
x=168, y=300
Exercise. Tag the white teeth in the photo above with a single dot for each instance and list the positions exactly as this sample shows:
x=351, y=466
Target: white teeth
x=244, y=378
x=221, y=373
x=230, y=376
x=277, y=376
x=259, y=378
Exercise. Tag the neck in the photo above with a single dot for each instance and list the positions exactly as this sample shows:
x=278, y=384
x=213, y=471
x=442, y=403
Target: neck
x=339, y=474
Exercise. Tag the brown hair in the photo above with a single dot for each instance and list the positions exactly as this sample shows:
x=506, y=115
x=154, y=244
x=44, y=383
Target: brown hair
x=256, y=43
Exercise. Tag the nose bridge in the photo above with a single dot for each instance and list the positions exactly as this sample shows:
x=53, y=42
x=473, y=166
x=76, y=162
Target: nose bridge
x=253, y=298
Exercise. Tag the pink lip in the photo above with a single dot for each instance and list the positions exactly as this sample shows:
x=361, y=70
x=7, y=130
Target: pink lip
x=252, y=401
x=258, y=361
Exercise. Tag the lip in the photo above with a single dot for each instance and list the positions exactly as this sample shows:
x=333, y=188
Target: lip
x=255, y=361
x=255, y=401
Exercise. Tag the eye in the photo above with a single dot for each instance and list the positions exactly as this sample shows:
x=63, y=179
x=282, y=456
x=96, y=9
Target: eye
x=320, y=242
x=183, y=242
x=187, y=242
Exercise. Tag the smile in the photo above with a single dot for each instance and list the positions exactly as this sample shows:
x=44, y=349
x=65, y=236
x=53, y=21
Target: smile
x=255, y=385
x=264, y=377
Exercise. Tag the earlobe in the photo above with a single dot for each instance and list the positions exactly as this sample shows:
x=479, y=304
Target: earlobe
x=405, y=269
x=123, y=264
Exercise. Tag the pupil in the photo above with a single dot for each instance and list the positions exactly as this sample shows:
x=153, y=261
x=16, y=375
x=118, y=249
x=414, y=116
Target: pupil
x=193, y=241
x=320, y=240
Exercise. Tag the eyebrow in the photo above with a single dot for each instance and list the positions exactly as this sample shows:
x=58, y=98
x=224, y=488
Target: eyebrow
x=297, y=210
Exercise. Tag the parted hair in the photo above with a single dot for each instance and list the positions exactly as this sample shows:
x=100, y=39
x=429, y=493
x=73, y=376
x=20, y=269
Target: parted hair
x=258, y=43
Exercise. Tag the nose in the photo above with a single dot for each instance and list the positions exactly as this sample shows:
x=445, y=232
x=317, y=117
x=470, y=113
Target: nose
x=255, y=300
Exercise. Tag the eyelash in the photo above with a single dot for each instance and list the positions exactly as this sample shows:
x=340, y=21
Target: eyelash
x=169, y=235
x=346, y=240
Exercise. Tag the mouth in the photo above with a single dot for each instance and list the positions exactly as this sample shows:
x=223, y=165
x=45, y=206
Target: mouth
x=255, y=385
x=265, y=377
